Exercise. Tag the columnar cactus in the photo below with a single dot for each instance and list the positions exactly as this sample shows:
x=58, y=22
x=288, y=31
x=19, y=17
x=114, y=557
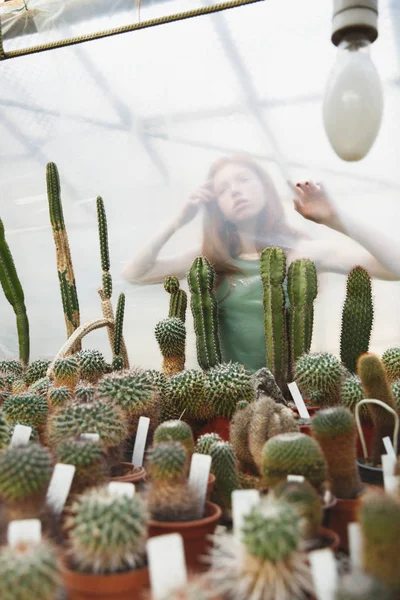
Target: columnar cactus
x=88, y=458
x=391, y=362
x=107, y=533
x=225, y=385
x=293, y=454
x=335, y=431
x=171, y=337
x=178, y=300
x=357, y=318
x=36, y=370
x=24, y=472
x=92, y=365
x=14, y=293
x=225, y=471
x=320, y=372
x=118, y=361
x=66, y=372
x=65, y=270
x=177, y=431
x=27, y=408
x=104, y=251
x=186, y=392
x=307, y=504
x=201, y=278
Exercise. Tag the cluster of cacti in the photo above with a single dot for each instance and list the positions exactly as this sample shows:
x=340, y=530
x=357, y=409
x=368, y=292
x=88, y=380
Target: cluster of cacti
x=14, y=293
x=27, y=408
x=357, y=318
x=176, y=431
x=36, y=370
x=107, y=533
x=391, y=362
x=66, y=372
x=321, y=373
x=225, y=385
x=335, y=431
x=28, y=570
x=266, y=564
x=351, y=393
x=253, y=425
x=65, y=270
x=201, y=279
x=88, y=458
x=92, y=365
x=171, y=337
x=293, y=454
x=376, y=386
x=178, y=300
x=186, y=395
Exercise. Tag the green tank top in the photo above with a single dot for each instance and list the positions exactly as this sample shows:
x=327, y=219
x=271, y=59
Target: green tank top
x=241, y=316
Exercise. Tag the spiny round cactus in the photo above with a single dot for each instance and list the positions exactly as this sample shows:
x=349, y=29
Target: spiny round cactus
x=225, y=385
x=87, y=457
x=5, y=436
x=319, y=372
x=360, y=586
x=131, y=390
x=171, y=284
x=177, y=431
x=24, y=471
x=66, y=371
x=352, y=393
x=36, y=370
x=171, y=336
x=206, y=441
x=307, y=504
x=27, y=571
x=105, y=419
x=106, y=532
x=293, y=454
x=11, y=366
x=225, y=471
x=186, y=392
x=91, y=364
x=27, y=408
x=167, y=461
x=85, y=392
x=18, y=386
x=391, y=362
x=57, y=396
x=41, y=387
x=396, y=391
x=158, y=379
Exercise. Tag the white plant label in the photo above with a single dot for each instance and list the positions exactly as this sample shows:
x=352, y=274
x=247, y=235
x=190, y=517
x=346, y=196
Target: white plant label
x=140, y=441
x=323, y=568
x=355, y=544
x=242, y=503
x=296, y=478
x=92, y=437
x=27, y=530
x=388, y=467
x=21, y=435
x=167, y=564
x=198, y=478
x=387, y=442
x=59, y=486
x=120, y=488
x=298, y=400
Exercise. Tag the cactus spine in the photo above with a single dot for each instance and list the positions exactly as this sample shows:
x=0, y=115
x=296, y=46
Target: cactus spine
x=178, y=300
x=204, y=307
x=14, y=293
x=65, y=270
x=357, y=318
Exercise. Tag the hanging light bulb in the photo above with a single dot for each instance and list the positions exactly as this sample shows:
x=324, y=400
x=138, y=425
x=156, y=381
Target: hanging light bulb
x=353, y=100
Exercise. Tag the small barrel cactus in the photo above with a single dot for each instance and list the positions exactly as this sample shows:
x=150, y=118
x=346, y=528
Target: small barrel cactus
x=171, y=337
x=89, y=461
x=24, y=471
x=11, y=367
x=27, y=571
x=41, y=387
x=18, y=386
x=351, y=394
x=27, y=408
x=58, y=396
x=36, y=370
x=107, y=533
x=167, y=462
x=293, y=454
x=391, y=362
x=225, y=385
x=92, y=365
x=225, y=471
x=307, y=504
x=85, y=392
x=66, y=372
x=186, y=392
x=320, y=372
x=205, y=442
x=396, y=392
x=177, y=431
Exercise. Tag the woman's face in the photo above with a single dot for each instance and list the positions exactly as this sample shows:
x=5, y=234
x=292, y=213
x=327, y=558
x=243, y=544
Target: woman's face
x=239, y=192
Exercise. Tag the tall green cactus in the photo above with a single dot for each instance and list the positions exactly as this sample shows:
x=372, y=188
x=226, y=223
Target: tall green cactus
x=104, y=252
x=205, y=312
x=14, y=293
x=273, y=271
x=118, y=361
x=357, y=318
x=65, y=270
x=178, y=300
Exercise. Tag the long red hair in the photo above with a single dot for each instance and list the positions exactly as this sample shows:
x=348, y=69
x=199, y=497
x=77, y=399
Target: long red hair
x=220, y=239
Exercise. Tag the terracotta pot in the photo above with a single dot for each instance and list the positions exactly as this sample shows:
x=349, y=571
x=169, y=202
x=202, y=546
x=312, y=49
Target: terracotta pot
x=327, y=538
x=127, y=473
x=368, y=431
x=219, y=425
x=306, y=429
x=194, y=533
x=344, y=512
x=122, y=586
x=311, y=409
x=210, y=486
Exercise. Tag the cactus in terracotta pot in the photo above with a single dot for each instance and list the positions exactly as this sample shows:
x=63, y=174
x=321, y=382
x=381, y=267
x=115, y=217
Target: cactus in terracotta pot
x=171, y=337
x=321, y=373
x=178, y=300
x=225, y=385
x=177, y=431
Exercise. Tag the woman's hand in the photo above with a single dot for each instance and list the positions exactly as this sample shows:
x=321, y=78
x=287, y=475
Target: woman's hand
x=312, y=202
x=200, y=197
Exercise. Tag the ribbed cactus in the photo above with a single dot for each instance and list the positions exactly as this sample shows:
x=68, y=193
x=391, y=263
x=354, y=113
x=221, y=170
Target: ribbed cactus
x=225, y=385
x=28, y=571
x=273, y=273
x=107, y=533
x=24, y=472
x=396, y=392
x=293, y=454
x=27, y=408
x=376, y=386
x=58, y=396
x=131, y=390
x=118, y=361
x=201, y=278
x=104, y=252
x=178, y=300
x=5, y=436
x=177, y=431
x=351, y=393
x=12, y=366
x=171, y=337
x=391, y=362
x=379, y=518
x=186, y=392
x=357, y=585
x=14, y=293
x=205, y=442
x=65, y=270
x=88, y=458
x=225, y=471
x=302, y=289
x=321, y=373
x=66, y=372
x=335, y=431
x=92, y=365
x=306, y=502
x=167, y=462
x=36, y=370
x=357, y=318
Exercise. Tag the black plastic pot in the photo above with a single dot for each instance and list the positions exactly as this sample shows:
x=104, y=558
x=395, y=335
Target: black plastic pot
x=370, y=474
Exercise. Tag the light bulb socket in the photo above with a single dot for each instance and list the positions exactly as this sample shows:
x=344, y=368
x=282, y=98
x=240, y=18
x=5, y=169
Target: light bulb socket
x=354, y=17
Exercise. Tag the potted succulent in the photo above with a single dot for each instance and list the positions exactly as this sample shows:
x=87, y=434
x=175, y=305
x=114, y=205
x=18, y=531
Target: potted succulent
x=105, y=552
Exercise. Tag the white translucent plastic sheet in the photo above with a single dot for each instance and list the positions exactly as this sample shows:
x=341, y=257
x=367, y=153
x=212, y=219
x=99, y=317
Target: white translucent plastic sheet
x=139, y=118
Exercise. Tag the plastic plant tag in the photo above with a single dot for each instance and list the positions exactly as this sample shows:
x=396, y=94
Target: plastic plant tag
x=355, y=544
x=298, y=400
x=387, y=442
x=93, y=437
x=21, y=435
x=120, y=488
x=140, y=441
x=388, y=467
x=242, y=503
x=323, y=568
x=297, y=478
x=392, y=484
x=59, y=486
x=198, y=478
x=167, y=564
x=26, y=530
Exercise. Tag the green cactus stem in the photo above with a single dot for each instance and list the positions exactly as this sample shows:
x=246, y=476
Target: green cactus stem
x=36, y=370
x=14, y=293
x=104, y=251
x=178, y=300
x=357, y=318
x=319, y=374
x=66, y=372
x=177, y=431
x=171, y=337
x=65, y=270
x=226, y=475
x=225, y=385
x=27, y=408
x=88, y=458
x=201, y=278
x=118, y=361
